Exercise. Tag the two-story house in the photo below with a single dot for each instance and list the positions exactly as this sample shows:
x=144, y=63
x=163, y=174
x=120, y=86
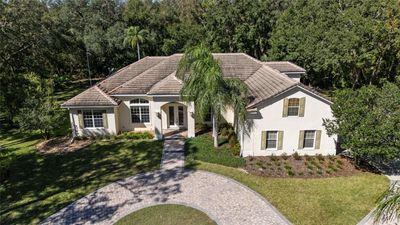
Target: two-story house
x=284, y=116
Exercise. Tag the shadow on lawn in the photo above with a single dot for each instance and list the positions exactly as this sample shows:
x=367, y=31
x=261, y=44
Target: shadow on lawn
x=159, y=186
x=40, y=185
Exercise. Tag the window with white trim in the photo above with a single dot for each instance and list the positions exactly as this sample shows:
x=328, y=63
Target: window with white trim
x=272, y=139
x=293, y=106
x=140, y=110
x=309, y=138
x=93, y=118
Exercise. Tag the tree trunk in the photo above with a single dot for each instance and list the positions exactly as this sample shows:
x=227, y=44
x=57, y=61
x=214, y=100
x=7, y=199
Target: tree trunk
x=215, y=129
x=138, y=50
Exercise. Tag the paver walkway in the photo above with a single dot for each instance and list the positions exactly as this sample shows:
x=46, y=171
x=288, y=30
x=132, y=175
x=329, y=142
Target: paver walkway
x=222, y=199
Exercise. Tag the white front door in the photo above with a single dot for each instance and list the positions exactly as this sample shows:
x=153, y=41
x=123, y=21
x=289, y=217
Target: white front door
x=176, y=116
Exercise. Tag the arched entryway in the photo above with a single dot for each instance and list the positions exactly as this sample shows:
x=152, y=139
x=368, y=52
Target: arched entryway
x=174, y=119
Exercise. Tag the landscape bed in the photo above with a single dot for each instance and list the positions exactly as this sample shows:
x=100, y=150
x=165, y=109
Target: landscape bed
x=300, y=166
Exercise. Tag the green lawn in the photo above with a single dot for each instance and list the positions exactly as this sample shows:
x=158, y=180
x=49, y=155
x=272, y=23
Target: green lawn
x=202, y=148
x=338, y=200
x=40, y=185
x=167, y=215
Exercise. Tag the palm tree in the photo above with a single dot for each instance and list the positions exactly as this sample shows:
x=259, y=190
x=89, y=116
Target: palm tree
x=134, y=36
x=389, y=206
x=204, y=84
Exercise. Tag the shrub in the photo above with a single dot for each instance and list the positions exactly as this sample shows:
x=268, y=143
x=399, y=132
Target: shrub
x=339, y=162
x=320, y=157
x=310, y=167
x=284, y=156
x=269, y=164
x=301, y=173
x=277, y=163
x=308, y=158
x=290, y=173
x=136, y=135
x=331, y=157
x=273, y=158
x=320, y=172
x=288, y=167
x=236, y=149
x=296, y=156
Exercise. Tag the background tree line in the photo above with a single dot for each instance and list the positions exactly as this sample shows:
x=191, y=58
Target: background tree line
x=342, y=43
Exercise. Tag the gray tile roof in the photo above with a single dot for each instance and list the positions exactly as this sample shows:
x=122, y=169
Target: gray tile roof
x=93, y=96
x=170, y=85
x=156, y=76
x=266, y=83
x=285, y=67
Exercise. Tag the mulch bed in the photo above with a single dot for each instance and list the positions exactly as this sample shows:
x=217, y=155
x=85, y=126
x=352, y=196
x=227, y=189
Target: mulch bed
x=61, y=145
x=304, y=167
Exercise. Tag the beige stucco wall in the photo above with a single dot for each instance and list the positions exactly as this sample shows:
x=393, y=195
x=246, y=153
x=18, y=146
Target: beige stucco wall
x=111, y=120
x=269, y=117
x=124, y=116
x=228, y=115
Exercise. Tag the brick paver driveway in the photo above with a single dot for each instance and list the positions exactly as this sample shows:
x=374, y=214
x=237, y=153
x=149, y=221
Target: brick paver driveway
x=222, y=199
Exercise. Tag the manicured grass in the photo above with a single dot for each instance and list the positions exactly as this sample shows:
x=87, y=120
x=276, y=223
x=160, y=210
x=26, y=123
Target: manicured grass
x=202, y=148
x=41, y=184
x=167, y=215
x=336, y=200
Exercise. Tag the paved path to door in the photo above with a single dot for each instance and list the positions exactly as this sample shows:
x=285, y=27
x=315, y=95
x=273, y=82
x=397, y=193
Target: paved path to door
x=222, y=199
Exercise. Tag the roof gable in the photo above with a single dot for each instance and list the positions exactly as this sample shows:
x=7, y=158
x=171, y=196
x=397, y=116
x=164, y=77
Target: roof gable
x=93, y=96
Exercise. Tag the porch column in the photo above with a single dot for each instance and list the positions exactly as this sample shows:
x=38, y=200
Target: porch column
x=191, y=120
x=157, y=122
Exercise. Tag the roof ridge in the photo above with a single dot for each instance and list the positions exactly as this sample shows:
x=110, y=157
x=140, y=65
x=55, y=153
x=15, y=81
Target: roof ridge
x=122, y=69
x=128, y=81
x=285, y=61
x=163, y=80
x=105, y=95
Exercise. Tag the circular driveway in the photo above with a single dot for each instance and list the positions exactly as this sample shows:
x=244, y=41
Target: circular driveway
x=222, y=199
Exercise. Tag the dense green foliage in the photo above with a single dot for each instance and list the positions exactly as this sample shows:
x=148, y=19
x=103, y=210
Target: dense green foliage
x=39, y=184
x=167, y=214
x=201, y=148
x=368, y=120
x=135, y=135
x=341, y=43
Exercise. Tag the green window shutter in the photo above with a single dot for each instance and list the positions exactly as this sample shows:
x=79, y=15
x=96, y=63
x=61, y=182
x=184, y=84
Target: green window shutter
x=285, y=107
x=280, y=139
x=302, y=106
x=301, y=139
x=318, y=139
x=105, y=120
x=263, y=140
x=80, y=119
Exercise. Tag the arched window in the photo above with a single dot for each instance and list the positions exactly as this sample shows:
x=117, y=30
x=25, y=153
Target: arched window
x=140, y=110
x=293, y=106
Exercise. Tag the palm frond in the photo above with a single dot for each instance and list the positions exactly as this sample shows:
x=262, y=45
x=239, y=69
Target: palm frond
x=389, y=205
